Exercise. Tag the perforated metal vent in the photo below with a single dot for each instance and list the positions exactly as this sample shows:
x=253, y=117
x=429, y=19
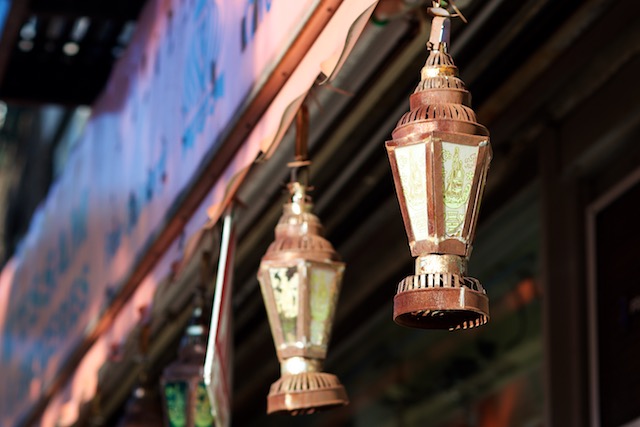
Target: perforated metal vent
x=438, y=112
x=440, y=82
x=306, y=393
x=300, y=244
x=461, y=303
x=438, y=58
x=439, y=280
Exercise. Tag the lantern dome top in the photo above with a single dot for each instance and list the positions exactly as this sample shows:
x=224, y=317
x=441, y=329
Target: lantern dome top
x=441, y=101
x=192, y=350
x=299, y=233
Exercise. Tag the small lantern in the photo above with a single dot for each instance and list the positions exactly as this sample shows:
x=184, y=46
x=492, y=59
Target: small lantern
x=143, y=408
x=439, y=158
x=300, y=277
x=186, y=401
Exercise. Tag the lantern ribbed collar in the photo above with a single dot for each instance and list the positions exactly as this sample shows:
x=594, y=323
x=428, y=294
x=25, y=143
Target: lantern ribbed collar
x=299, y=232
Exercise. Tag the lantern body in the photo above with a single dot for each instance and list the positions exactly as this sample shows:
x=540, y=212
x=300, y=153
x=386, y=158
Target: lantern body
x=439, y=178
x=439, y=157
x=300, y=278
x=186, y=401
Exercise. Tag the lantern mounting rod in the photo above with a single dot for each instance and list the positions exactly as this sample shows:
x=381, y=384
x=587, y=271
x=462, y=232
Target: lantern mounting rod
x=441, y=23
x=439, y=38
x=301, y=158
x=299, y=167
x=302, y=133
x=145, y=331
x=144, y=339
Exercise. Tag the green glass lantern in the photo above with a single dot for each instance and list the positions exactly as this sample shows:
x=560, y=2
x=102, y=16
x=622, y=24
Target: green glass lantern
x=185, y=397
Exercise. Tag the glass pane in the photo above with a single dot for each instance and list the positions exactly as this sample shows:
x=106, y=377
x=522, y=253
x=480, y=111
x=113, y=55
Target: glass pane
x=322, y=282
x=175, y=394
x=286, y=282
x=412, y=165
x=203, y=416
x=458, y=167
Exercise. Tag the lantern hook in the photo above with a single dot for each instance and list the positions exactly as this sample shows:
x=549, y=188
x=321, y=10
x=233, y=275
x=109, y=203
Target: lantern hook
x=439, y=8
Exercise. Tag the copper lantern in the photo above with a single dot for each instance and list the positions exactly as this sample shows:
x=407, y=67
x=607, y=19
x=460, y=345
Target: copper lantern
x=300, y=277
x=186, y=401
x=439, y=158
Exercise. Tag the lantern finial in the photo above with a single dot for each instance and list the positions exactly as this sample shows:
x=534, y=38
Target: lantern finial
x=439, y=156
x=440, y=28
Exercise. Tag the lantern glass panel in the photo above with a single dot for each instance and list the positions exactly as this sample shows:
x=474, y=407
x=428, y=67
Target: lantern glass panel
x=411, y=161
x=322, y=283
x=176, y=399
x=458, y=168
x=203, y=416
x=285, y=282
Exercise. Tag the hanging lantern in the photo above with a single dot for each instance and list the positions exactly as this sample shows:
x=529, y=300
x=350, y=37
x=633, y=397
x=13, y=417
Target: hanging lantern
x=439, y=158
x=143, y=408
x=300, y=278
x=186, y=401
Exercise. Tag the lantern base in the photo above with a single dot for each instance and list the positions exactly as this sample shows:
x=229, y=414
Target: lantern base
x=440, y=301
x=306, y=393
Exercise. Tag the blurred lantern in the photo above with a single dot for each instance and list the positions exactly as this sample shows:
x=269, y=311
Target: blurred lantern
x=143, y=408
x=439, y=157
x=186, y=401
x=300, y=277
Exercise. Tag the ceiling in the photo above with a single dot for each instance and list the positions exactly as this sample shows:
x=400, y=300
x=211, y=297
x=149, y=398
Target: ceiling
x=75, y=41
